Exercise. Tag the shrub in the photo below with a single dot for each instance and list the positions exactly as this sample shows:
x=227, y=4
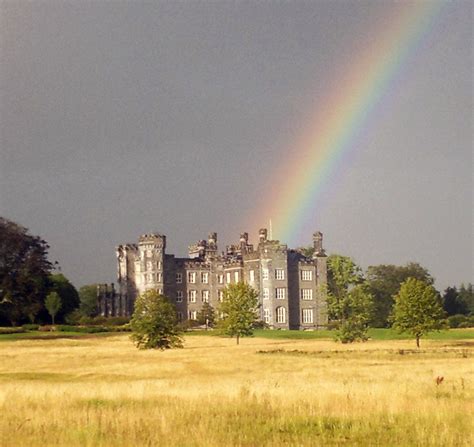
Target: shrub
x=30, y=327
x=465, y=324
x=11, y=330
x=456, y=320
x=73, y=318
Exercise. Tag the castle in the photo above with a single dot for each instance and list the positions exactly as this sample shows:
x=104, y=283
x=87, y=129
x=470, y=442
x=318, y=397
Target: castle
x=291, y=285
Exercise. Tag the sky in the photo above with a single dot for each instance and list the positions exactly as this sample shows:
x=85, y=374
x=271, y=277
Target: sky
x=121, y=118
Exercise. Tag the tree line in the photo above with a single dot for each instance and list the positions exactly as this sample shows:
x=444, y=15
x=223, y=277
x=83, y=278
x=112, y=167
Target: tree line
x=33, y=291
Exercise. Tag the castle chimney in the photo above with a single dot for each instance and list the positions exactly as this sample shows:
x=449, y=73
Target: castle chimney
x=212, y=238
x=318, y=244
x=262, y=234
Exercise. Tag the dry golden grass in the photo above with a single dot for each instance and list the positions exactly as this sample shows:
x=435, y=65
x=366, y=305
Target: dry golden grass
x=103, y=391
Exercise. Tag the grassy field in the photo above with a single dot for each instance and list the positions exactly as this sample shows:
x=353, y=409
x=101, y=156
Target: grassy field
x=266, y=392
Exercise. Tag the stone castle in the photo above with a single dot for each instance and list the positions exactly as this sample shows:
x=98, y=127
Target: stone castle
x=291, y=285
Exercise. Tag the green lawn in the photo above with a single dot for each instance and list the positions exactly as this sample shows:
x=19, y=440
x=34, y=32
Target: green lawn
x=375, y=334
x=32, y=335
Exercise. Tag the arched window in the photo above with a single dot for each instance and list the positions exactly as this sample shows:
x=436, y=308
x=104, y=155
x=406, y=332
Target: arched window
x=281, y=315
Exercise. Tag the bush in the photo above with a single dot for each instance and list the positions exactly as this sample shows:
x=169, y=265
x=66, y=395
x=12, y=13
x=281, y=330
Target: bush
x=456, y=320
x=117, y=321
x=73, y=318
x=30, y=327
x=11, y=330
x=465, y=324
x=187, y=325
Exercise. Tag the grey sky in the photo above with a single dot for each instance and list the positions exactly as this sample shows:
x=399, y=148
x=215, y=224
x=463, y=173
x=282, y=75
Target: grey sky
x=119, y=118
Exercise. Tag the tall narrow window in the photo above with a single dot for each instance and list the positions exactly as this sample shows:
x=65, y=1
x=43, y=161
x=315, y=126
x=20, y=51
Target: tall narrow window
x=264, y=274
x=252, y=275
x=179, y=296
x=236, y=276
x=281, y=315
x=307, y=316
x=227, y=277
x=220, y=279
x=205, y=278
x=266, y=294
x=179, y=278
x=220, y=295
x=191, y=277
x=205, y=296
x=192, y=296
x=280, y=293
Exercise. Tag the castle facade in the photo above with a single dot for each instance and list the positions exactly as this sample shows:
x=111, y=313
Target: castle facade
x=291, y=286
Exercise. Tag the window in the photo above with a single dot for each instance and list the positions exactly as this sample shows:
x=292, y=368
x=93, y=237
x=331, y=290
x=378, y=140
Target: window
x=192, y=277
x=252, y=275
x=227, y=277
x=266, y=294
x=236, y=276
x=281, y=314
x=220, y=279
x=193, y=314
x=159, y=277
x=149, y=265
x=279, y=274
x=179, y=296
x=307, y=315
x=205, y=296
x=280, y=293
x=220, y=295
x=192, y=296
x=179, y=278
x=264, y=273
x=306, y=294
x=266, y=316
x=205, y=278
x=306, y=275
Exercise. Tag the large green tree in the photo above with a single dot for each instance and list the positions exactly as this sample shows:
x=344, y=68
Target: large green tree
x=24, y=273
x=88, y=300
x=154, y=322
x=239, y=309
x=349, y=303
x=68, y=294
x=383, y=283
x=417, y=309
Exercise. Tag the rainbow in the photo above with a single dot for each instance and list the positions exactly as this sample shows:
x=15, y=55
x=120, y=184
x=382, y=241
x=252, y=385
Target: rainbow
x=340, y=120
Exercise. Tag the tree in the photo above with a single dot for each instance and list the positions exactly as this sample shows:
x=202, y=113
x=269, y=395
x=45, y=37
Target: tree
x=67, y=292
x=383, y=283
x=24, y=272
x=53, y=304
x=466, y=296
x=417, y=309
x=355, y=315
x=239, y=309
x=349, y=303
x=154, y=323
x=88, y=300
x=206, y=315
